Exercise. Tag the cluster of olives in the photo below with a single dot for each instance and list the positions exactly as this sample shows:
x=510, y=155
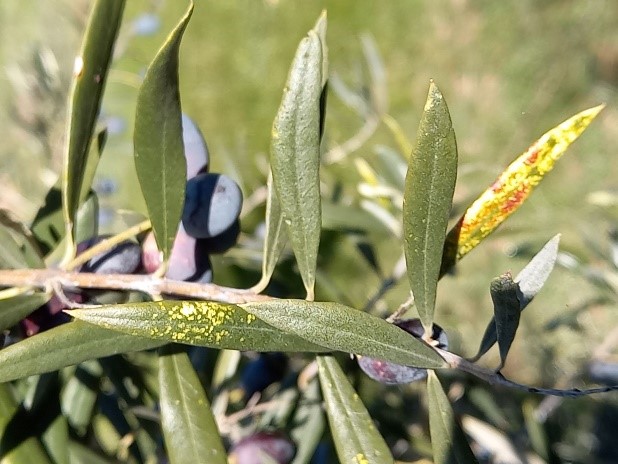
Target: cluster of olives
x=210, y=222
x=209, y=225
x=391, y=373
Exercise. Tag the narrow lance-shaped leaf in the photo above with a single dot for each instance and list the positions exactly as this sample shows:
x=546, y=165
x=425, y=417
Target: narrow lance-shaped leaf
x=274, y=238
x=505, y=296
x=66, y=345
x=11, y=255
x=320, y=29
x=339, y=327
x=13, y=310
x=43, y=403
x=188, y=424
x=201, y=323
x=354, y=433
x=530, y=280
x=17, y=449
x=308, y=422
x=295, y=153
x=448, y=441
x=31, y=254
x=90, y=72
x=428, y=196
x=512, y=187
x=79, y=398
x=159, y=153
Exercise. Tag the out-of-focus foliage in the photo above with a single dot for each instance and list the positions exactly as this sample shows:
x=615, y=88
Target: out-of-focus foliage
x=492, y=63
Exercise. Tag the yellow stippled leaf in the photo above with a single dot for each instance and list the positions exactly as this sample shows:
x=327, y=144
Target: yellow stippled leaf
x=513, y=187
x=202, y=323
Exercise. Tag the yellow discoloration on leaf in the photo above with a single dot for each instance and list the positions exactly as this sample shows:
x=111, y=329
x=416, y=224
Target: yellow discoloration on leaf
x=194, y=320
x=360, y=459
x=513, y=186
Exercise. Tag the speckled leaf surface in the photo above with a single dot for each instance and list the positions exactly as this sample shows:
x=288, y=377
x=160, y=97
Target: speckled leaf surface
x=428, y=196
x=188, y=424
x=341, y=328
x=512, y=187
x=355, y=435
x=295, y=156
x=202, y=323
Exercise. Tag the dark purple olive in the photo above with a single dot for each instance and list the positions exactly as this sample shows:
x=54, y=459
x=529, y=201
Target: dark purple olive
x=123, y=258
x=212, y=204
x=196, y=151
x=263, y=371
x=262, y=448
x=390, y=373
x=187, y=261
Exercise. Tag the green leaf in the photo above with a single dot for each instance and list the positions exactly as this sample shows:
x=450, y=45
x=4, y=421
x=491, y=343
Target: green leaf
x=63, y=346
x=320, y=30
x=295, y=156
x=13, y=310
x=15, y=449
x=159, y=152
x=354, y=433
x=48, y=226
x=532, y=277
x=30, y=253
x=428, y=195
x=80, y=394
x=189, y=428
x=43, y=416
x=341, y=328
x=202, y=323
x=90, y=72
x=530, y=280
x=87, y=226
x=308, y=422
x=11, y=255
x=336, y=216
x=81, y=454
x=505, y=296
x=274, y=239
x=448, y=441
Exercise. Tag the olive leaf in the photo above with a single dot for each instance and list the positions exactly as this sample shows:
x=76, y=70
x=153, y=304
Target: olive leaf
x=355, y=436
x=448, y=441
x=66, y=345
x=511, y=189
x=339, y=327
x=201, y=323
x=505, y=294
x=189, y=428
x=159, y=152
x=530, y=280
x=428, y=195
x=295, y=156
x=91, y=68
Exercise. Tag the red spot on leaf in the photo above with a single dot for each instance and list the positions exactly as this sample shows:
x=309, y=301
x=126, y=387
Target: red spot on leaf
x=532, y=157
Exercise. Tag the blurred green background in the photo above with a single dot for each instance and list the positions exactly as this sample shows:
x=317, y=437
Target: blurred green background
x=509, y=71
